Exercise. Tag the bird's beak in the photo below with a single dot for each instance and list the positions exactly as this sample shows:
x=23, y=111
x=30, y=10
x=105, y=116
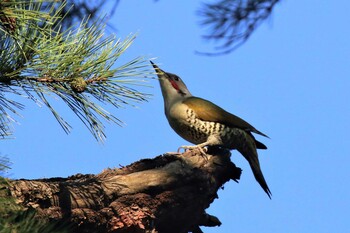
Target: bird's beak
x=160, y=72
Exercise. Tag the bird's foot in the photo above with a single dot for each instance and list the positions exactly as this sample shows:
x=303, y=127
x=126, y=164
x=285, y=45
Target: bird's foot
x=202, y=150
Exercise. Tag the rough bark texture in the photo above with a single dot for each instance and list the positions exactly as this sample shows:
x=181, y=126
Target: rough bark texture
x=166, y=194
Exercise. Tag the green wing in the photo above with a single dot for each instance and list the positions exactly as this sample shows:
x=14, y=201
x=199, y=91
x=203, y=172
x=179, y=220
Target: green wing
x=208, y=111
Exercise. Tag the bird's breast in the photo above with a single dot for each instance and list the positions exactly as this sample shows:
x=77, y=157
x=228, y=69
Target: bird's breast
x=185, y=123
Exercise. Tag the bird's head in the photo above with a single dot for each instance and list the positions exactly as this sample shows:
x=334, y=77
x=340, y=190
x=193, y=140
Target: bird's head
x=173, y=88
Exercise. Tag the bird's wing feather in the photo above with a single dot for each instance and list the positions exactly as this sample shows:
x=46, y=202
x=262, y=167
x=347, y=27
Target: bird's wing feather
x=208, y=111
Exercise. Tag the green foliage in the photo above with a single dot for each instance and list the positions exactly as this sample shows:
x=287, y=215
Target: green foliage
x=38, y=59
x=4, y=165
x=14, y=219
x=25, y=222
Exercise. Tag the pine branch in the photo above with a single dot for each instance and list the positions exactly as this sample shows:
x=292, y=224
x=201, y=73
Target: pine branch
x=39, y=59
x=232, y=22
x=81, y=8
x=4, y=165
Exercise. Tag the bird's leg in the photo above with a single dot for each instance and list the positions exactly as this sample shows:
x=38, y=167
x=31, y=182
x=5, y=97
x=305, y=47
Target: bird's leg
x=200, y=147
x=211, y=141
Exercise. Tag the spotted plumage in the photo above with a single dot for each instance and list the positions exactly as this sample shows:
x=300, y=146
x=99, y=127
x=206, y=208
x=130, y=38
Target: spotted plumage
x=203, y=123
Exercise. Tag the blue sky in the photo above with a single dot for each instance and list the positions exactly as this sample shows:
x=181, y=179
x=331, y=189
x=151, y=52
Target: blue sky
x=290, y=80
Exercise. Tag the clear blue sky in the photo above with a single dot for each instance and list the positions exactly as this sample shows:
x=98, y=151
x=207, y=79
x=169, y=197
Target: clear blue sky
x=290, y=80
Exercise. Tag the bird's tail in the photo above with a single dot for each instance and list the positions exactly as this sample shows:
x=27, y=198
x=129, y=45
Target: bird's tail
x=252, y=156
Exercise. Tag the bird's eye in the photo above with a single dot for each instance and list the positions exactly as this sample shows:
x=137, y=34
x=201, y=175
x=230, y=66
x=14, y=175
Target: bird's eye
x=176, y=78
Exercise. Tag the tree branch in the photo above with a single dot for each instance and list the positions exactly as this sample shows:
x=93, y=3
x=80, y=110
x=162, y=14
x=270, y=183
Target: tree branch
x=166, y=194
x=79, y=65
x=232, y=22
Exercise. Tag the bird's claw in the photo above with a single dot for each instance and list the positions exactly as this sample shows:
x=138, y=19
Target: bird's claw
x=202, y=150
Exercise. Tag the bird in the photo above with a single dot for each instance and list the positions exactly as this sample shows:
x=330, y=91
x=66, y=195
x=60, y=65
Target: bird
x=204, y=124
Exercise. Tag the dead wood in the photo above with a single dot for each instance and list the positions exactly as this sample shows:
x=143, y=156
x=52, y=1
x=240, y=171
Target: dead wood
x=166, y=194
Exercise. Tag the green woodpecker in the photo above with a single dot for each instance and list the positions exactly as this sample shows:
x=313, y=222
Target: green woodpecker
x=203, y=123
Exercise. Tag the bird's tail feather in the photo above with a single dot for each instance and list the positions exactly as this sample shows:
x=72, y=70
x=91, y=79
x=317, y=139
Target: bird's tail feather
x=253, y=160
x=260, y=177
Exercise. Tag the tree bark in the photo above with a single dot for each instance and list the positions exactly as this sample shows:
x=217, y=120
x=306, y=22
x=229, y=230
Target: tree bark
x=166, y=194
